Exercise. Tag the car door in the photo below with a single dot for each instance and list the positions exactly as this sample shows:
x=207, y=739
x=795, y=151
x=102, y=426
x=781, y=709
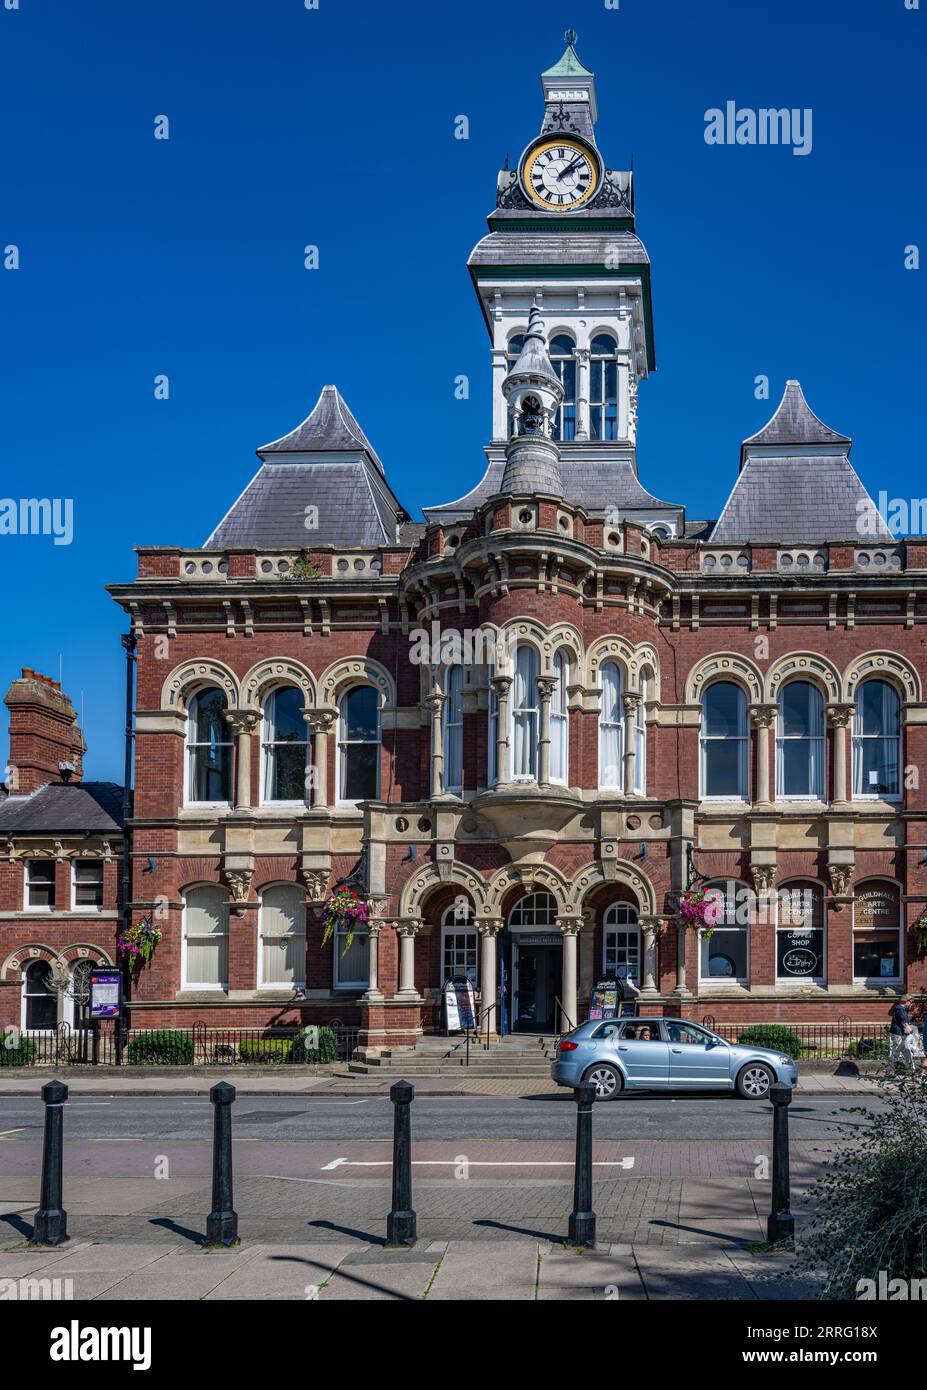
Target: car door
x=697, y=1060
x=645, y=1062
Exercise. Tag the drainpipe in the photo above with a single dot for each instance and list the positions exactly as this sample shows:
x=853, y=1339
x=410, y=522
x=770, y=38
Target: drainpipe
x=128, y=642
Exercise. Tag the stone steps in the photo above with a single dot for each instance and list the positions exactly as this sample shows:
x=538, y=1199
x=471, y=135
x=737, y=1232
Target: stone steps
x=513, y=1057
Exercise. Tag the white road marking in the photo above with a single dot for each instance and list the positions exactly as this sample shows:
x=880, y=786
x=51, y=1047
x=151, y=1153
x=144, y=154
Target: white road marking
x=626, y=1163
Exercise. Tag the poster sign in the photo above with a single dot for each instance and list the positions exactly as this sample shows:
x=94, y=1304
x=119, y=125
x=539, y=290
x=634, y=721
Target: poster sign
x=459, y=1004
x=800, y=953
x=105, y=993
x=605, y=999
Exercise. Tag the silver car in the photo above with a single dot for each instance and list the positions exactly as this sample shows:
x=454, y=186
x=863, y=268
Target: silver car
x=666, y=1054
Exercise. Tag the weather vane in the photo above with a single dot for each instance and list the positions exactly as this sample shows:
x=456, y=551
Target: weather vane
x=571, y=36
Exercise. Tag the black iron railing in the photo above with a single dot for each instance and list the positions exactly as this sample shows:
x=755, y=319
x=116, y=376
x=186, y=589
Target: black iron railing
x=195, y=1046
x=842, y=1038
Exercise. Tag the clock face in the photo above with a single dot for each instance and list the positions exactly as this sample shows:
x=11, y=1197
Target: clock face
x=560, y=175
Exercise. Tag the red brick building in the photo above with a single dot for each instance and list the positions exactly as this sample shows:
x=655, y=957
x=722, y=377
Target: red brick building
x=60, y=864
x=521, y=728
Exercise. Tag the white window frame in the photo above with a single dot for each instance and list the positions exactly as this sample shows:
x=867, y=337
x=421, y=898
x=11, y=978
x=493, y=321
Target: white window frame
x=300, y=983
x=640, y=739
x=453, y=926
x=341, y=743
x=84, y=907
x=612, y=927
x=268, y=744
x=492, y=730
x=598, y=403
x=860, y=738
x=871, y=980
x=558, y=361
x=337, y=982
x=535, y=709
x=185, y=983
x=39, y=907
x=189, y=745
x=24, y=996
x=743, y=739
x=797, y=980
x=452, y=729
x=560, y=718
x=818, y=796
x=618, y=788
x=726, y=981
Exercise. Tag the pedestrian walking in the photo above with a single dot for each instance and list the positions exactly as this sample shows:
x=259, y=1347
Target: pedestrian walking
x=900, y=1030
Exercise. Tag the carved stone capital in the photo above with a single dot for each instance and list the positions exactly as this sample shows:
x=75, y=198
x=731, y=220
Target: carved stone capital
x=839, y=716
x=320, y=721
x=570, y=926
x=239, y=883
x=546, y=686
x=242, y=721
x=764, y=876
x=840, y=876
x=763, y=716
x=489, y=926
x=409, y=926
x=502, y=684
x=630, y=699
x=316, y=884
x=377, y=907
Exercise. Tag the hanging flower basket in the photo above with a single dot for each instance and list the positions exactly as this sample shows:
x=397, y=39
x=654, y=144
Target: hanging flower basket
x=139, y=942
x=700, y=911
x=920, y=934
x=343, y=911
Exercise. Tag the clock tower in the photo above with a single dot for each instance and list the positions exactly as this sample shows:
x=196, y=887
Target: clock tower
x=562, y=237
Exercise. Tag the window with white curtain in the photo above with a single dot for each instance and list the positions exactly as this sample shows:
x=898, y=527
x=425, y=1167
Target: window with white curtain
x=206, y=937
x=453, y=729
x=459, y=943
x=800, y=742
x=284, y=746
x=351, y=962
x=563, y=361
x=603, y=387
x=209, y=748
x=611, y=727
x=359, y=745
x=640, y=739
x=621, y=943
x=560, y=722
x=877, y=741
x=525, y=715
x=492, y=729
x=725, y=742
x=282, y=926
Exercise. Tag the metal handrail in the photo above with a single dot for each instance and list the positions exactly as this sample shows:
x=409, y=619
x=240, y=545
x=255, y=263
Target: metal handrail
x=561, y=1011
x=485, y=1016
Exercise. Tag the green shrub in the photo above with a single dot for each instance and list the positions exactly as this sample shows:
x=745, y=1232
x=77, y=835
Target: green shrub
x=326, y=1051
x=21, y=1054
x=257, y=1051
x=774, y=1036
x=870, y=1049
x=161, y=1047
x=869, y=1210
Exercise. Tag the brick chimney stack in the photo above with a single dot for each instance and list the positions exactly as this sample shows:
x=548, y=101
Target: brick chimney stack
x=44, y=733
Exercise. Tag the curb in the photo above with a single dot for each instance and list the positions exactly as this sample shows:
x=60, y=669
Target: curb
x=442, y=1094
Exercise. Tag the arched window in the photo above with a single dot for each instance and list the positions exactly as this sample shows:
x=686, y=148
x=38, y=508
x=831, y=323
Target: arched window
x=603, y=387
x=284, y=746
x=206, y=937
x=359, y=745
x=282, y=926
x=640, y=739
x=492, y=729
x=513, y=350
x=725, y=742
x=40, y=1001
x=800, y=742
x=877, y=741
x=453, y=730
x=535, y=910
x=209, y=748
x=877, y=933
x=459, y=942
x=621, y=943
x=724, y=956
x=800, y=933
x=525, y=715
x=611, y=728
x=560, y=722
x=563, y=360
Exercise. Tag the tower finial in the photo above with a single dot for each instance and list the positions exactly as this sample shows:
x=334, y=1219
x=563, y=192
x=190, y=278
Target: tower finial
x=571, y=36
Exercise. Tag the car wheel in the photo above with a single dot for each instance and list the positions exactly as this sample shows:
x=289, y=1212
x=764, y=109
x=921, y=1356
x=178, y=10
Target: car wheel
x=754, y=1081
x=607, y=1081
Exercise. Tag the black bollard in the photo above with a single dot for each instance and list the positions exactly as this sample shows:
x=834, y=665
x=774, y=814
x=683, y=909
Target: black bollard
x=400, y=1224
x=51, y=1220
x=582, y=1217
x=780, y=1224
x=222, y=1221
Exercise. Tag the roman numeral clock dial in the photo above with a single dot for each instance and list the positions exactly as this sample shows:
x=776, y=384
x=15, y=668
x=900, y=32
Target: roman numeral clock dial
x=559, y=175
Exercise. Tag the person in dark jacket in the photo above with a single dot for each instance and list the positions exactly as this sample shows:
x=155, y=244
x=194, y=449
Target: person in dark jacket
x=901, y=1027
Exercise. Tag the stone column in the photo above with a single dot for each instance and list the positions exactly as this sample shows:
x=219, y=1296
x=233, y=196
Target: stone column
x=435, y=704
x=489, y=929
x=546, y=687
x=502, y=685
x=763, y=718
x=375, y=925
x=631, y=700
x=243, y=723
x=681, y=942
x=408, y=929
x=500, y=415
x=320, y=723
x=570, y=929
x=582, y=393
x=650, y=926
x=839, y=717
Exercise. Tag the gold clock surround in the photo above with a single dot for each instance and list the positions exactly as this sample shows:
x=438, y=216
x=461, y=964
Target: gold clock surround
x=573, y=145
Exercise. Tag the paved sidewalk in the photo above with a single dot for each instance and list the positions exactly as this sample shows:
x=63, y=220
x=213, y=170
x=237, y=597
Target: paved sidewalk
x=80, y=1083
x=524, y=1269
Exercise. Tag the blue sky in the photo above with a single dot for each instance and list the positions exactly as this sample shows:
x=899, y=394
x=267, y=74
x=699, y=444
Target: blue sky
x=335, y=127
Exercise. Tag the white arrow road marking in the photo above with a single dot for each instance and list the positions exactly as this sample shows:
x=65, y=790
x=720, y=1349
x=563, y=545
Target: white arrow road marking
x=626, y=1163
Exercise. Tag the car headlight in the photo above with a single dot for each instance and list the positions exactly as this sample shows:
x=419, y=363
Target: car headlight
x=786, y=1061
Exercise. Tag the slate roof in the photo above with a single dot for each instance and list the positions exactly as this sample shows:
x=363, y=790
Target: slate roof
x=568, y=66
x=795, y=423
x=594, y=486
x=327, y=463
x=558, y=248
x=69, y=807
